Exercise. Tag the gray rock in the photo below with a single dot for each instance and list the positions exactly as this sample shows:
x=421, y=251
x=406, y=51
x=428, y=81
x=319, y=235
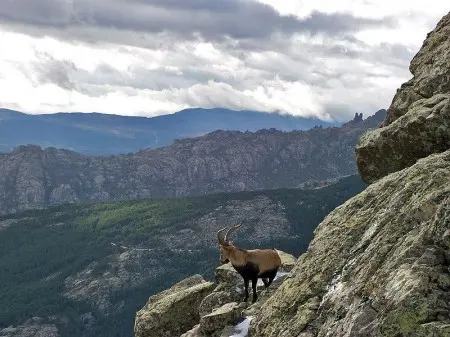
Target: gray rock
x=418, y=120
x=224, y=293
x=213, y=323
x=227, y=274
x=377, y=266
x=194, y=332
x=173, y=311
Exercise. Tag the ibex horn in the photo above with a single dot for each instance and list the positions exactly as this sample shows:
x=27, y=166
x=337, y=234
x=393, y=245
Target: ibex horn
x=221, y=238
x=230, y=231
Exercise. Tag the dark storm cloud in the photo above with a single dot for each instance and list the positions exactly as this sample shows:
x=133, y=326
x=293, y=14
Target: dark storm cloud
x=212, y=19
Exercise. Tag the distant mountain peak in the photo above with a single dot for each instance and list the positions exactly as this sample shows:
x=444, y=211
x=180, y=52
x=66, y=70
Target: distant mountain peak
x=105, y=134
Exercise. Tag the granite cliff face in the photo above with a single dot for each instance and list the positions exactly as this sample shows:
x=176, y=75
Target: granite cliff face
x=218, y=162
x=379, y=264
x=418, y=120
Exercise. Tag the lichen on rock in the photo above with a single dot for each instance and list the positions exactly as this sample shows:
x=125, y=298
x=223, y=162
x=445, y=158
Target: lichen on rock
x=418, y=120
x=173, y=311
x=228, y=314
x=378, y=265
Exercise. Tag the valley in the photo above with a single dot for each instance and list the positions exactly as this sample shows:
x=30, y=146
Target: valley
x=84, y=269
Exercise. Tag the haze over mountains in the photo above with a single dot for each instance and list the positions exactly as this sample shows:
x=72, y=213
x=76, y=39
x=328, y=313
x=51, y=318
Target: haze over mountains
x=222, y=161
x=105, y=134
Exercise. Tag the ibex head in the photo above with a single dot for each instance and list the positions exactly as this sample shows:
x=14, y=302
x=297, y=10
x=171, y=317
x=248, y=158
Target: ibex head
x=226, y=246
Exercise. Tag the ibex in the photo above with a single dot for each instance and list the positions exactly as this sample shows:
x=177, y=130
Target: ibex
x=250, y=264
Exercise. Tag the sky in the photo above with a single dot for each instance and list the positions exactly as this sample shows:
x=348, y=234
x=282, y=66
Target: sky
x=321, y=58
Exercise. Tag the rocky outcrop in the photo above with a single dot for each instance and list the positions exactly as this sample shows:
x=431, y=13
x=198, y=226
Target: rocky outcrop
x=213, y=323
x=125, y=270
x=287, y=261
x=221, y=161
x=379, y=264
x=229, y=289
x=418, y=120
x=215, y=316
x=174, y=311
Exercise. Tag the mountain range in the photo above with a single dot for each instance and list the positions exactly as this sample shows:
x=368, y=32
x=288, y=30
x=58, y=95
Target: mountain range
x=221, y=161
x=106, y=134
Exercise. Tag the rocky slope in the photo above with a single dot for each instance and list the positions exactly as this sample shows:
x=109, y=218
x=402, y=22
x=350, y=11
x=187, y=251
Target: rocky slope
x=379, y=264
x=218, y=162
x=195, y=308
x=418, y=120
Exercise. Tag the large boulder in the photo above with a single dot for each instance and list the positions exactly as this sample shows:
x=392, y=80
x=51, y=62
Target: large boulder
x=377, y=266
x=224, y=293
x=173, y=311
x=212, y=325
x=288, y=261
x=418, y=120
x=227, y=274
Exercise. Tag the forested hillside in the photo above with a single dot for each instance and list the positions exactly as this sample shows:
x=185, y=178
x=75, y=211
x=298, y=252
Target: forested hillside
x=86, y=268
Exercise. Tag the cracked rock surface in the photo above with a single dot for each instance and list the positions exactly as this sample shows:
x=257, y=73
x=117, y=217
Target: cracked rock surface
x=418, y=120
x=378, y=265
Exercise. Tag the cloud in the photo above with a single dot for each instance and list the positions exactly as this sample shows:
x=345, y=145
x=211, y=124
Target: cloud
x=212, y=20
x=149, y=57
x=59, y=72
x=200, y=74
